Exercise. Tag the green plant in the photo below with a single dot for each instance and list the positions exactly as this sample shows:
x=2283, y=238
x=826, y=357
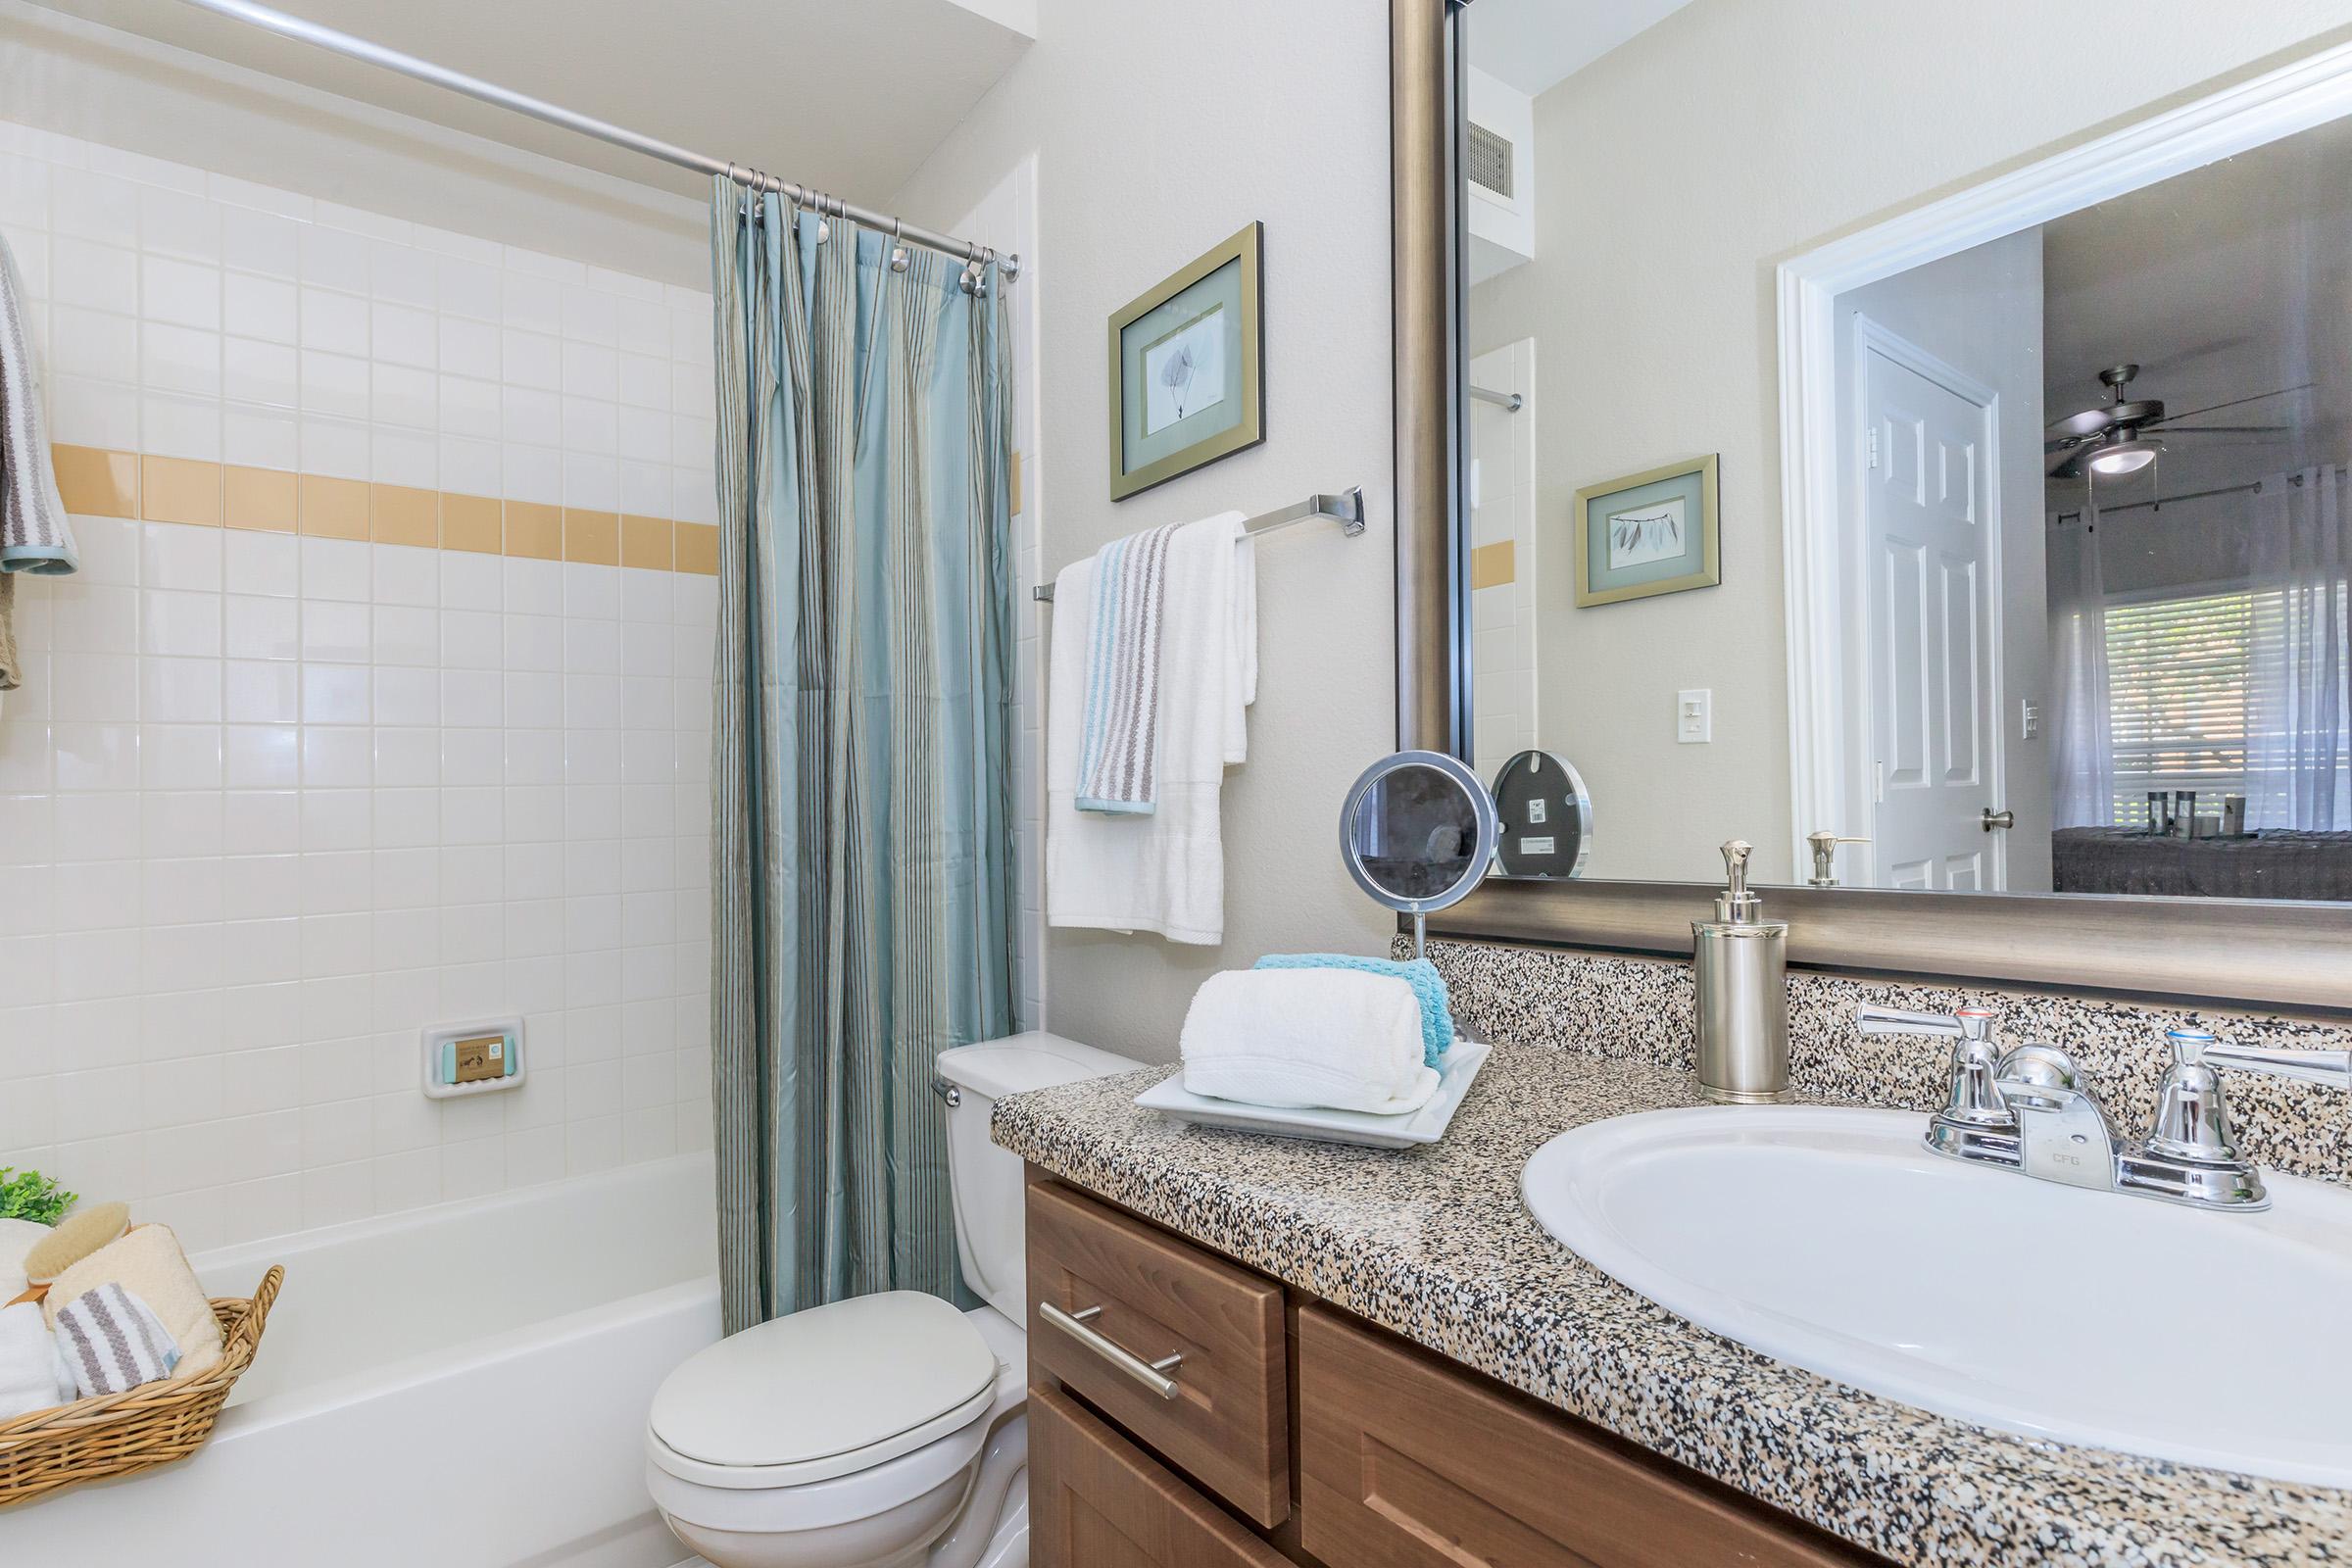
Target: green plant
x=32, y=1196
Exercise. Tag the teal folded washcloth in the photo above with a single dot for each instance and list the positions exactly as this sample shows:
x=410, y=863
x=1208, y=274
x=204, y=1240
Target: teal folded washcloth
x=1437, y=1012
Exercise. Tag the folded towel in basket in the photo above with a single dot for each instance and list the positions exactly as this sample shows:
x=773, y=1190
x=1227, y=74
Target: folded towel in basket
x=148, y=1263
x=33, y=1376
x=1331, y=1038
x=113, y=1342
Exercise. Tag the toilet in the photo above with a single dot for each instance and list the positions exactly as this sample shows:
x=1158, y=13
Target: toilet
x=882, y=1431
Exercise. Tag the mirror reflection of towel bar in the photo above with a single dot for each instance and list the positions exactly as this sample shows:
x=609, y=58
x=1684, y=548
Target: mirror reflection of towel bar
x=1347, y=509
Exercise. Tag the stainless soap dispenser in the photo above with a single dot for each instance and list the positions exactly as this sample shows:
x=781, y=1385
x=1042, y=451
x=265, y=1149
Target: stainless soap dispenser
x=1743, y=967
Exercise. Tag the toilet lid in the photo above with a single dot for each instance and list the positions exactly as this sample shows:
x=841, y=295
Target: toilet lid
x=828, y=1381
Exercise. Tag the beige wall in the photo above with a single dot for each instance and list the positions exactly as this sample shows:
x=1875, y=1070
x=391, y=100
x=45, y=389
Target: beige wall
x=1651, y=301
x=1158, y=131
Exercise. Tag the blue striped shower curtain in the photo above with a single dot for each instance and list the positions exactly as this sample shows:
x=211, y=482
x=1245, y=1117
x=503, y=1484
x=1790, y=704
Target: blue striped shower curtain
x=861, y=867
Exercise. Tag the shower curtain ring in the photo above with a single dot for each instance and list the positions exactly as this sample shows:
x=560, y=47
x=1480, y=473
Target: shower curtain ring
x=899, y=258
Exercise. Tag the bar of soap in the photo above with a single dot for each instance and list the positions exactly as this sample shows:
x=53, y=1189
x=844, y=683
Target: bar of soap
x=75, y=1238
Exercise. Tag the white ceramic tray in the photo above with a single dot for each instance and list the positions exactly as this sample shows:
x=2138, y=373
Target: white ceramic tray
x=1456, y=1070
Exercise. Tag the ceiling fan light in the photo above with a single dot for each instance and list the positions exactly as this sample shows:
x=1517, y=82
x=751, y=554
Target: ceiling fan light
x=2124, y=457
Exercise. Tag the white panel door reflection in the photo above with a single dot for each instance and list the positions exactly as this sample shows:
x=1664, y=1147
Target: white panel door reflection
x=1929, y=543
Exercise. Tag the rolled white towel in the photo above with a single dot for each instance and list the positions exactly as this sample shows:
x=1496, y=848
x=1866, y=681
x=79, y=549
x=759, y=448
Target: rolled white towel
x=18, y=1237
x=1336, y=1039
x=33, y=1375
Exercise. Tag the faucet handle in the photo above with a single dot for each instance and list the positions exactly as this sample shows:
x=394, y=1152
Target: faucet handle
x=1973, y=1102
x=1963, y=1023
x=2192, y=1110
x=2331, y=1068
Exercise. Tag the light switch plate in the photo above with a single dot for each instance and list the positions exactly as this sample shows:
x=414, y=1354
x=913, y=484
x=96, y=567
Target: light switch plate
x=2029, y=720
x=1695, y=717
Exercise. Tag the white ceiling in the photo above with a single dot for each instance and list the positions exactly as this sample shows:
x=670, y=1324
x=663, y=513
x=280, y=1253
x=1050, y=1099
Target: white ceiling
x=1531, y=44
x=2229, y=281
x=850, y=98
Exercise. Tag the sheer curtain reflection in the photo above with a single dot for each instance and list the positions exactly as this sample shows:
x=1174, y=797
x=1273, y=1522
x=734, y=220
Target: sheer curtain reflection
x=862, y=772
x=2302, y=547
x=2081, y=737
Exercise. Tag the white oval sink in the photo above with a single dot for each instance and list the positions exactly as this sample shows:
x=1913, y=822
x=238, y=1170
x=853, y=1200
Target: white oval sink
x=1831, y=1238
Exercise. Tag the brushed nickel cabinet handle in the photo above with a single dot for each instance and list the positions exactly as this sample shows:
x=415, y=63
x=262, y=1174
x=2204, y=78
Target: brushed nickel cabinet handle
x=1150, y=1374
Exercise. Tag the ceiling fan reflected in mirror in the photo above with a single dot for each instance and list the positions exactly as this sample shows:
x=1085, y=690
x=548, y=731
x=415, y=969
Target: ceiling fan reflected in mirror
x=2118, y=437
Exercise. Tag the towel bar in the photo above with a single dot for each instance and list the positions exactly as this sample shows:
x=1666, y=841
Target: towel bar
x=1347, y=509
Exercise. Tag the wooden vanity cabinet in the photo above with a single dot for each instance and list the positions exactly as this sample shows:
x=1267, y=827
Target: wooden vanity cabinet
x=1098, y=1500
x=1295, y=1433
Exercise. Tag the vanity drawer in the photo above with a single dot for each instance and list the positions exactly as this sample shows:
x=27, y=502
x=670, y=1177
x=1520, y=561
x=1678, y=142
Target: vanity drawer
x=1405, y=1463
x=1220, y=1413
x=1095, y=1500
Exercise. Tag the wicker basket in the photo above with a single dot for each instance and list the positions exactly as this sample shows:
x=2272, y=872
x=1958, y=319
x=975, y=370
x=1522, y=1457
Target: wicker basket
x=155, y=1423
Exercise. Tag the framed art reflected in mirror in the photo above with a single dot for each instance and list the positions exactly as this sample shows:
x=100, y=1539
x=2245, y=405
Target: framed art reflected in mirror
x=1648, y=533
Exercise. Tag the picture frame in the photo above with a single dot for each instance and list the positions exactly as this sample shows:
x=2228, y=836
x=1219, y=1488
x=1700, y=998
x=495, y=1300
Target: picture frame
x=1188, y=356
x=1649, y=533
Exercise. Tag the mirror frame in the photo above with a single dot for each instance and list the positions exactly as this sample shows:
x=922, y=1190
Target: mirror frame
x=2248, y=951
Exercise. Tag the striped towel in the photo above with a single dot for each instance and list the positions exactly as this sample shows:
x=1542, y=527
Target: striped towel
x=111, y=1342
x=35, y=535
x=1118, y=760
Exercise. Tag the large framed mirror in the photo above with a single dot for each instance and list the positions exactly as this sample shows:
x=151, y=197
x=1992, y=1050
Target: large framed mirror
x=1953, y=504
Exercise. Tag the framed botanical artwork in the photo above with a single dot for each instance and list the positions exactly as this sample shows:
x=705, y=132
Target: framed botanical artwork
x=1648, y=533
x=1188, y=357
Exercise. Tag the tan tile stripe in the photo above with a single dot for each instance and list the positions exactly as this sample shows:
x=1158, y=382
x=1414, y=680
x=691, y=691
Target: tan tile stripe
x=100, y=483
x=1492, y=565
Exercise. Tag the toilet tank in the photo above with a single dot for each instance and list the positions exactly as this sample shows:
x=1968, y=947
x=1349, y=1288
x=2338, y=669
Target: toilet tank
x=985, y=1180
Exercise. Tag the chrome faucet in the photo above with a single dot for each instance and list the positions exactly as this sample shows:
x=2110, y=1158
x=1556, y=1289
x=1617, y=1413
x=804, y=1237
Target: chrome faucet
x=1975, y=1123
x=2029, y=1110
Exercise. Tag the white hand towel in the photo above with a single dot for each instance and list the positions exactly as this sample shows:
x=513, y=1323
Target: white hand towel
x=33, y=1375
x=1338, y=1039
x=1162, y=872
x=35, y=535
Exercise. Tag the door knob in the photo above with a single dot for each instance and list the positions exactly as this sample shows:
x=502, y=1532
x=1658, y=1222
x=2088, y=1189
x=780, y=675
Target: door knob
x=1993, y=820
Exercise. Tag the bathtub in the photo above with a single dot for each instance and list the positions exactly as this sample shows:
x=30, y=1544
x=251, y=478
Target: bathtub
x=463, y=1385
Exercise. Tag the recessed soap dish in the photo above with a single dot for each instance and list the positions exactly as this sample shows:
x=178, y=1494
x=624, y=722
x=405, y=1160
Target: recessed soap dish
x=472, y=1059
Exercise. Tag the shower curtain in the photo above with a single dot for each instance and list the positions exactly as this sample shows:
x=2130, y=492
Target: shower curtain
x=861, y=870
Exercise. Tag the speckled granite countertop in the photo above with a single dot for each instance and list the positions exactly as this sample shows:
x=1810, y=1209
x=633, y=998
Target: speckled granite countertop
x=1435, y=1244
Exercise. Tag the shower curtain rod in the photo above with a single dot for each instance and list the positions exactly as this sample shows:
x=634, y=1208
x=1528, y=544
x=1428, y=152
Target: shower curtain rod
x=375, y=54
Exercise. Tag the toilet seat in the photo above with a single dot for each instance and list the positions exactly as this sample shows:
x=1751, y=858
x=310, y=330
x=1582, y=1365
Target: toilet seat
x=754, y=1503
x=822, y=1393
x=970, y=1415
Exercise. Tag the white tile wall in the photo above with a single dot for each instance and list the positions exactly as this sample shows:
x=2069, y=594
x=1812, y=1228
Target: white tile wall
x=188, y=314
x=268, y=804
x=1504, y=619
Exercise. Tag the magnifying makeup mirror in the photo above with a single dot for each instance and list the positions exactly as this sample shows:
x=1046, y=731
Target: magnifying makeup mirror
x=1546, y=817
x=1418, y=833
